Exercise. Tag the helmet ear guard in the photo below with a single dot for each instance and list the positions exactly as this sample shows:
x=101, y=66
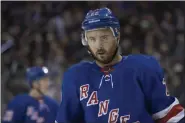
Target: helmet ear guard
x=83, y=39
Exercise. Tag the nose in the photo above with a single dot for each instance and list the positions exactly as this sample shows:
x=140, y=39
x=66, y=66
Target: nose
x=99, y=44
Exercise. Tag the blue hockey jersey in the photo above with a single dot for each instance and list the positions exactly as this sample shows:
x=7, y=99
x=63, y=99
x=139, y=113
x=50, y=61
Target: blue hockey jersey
x=26, y=109
x=133, y=92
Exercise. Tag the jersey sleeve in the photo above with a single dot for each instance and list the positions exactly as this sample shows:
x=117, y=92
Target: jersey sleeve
x=14, y=112
x=70, y=110
x=163, y=107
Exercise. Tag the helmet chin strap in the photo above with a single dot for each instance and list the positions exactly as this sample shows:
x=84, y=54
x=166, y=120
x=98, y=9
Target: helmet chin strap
x=40, y=92
x=38, y=89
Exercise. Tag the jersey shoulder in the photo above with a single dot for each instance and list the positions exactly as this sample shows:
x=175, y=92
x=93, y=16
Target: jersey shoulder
x=79, y=68
x=20, y=100
x=75, y=73
x=143, y=62
x=51, y=101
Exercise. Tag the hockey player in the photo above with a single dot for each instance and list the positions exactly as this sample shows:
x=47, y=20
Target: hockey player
x=114, y=88
x=33, y=107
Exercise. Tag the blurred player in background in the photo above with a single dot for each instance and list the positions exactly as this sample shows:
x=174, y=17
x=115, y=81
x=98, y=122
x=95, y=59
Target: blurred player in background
x=33, y=107
x=114, y=88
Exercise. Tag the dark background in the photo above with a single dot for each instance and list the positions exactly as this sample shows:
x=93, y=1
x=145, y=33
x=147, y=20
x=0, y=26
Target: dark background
x=48, y=33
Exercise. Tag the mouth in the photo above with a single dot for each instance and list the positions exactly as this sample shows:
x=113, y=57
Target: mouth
x=101, y=52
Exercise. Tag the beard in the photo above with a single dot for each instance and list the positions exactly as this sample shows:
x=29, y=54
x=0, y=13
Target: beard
x=104, y=56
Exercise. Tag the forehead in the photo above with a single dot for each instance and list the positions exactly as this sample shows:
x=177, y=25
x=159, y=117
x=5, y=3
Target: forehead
x=99, y=32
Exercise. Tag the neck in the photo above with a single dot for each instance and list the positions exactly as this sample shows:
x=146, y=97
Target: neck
x=116, y=59
x=35, y=94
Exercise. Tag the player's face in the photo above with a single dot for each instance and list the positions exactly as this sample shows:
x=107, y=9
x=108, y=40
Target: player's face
x=44, y=84
x=102, y=44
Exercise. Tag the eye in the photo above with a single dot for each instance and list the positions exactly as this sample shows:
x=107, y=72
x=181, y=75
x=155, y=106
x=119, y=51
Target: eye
x=92, y=39
x=105, y=37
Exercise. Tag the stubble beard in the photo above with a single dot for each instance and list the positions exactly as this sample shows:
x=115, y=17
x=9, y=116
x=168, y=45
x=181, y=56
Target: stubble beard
x=107, y=57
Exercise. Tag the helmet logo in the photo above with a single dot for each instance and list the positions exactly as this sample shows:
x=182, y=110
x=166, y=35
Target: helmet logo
x=92, y=21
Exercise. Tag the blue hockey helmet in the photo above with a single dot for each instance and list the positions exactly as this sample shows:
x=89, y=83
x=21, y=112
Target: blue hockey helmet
x=36, y=73
x=100, y=18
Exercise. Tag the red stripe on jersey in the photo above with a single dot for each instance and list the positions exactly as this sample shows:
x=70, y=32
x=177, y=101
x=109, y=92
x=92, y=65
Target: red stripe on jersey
x=173, y=112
